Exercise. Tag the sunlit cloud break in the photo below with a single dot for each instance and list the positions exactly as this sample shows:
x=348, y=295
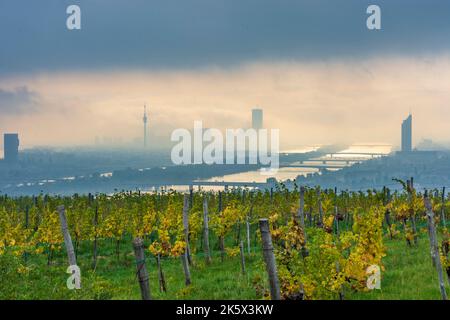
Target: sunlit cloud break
x=322, y=102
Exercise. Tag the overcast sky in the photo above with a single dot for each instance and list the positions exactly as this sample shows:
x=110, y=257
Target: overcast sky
x=313, y=66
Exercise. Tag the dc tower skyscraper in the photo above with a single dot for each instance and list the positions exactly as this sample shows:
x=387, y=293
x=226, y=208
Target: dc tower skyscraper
x=257, y=119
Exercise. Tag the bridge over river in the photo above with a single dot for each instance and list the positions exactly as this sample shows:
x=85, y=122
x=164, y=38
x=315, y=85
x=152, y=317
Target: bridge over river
x=329, y=161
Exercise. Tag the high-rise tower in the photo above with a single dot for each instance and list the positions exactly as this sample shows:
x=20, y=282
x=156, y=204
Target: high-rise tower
x=145, y=119
x=11, y=147
x=257, y=119
x=407, y=134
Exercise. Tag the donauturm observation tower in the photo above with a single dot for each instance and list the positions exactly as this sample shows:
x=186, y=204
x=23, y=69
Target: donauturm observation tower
x=145, y=119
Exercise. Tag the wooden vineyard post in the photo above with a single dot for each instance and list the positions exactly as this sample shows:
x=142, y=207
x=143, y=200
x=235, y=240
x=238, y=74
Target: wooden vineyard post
x=336, y=215
x=434, y=245
x=38, y=215
x=387, y=214
x=444, y=222
x=301, y=208
x=186, y=226
x=301, y=221
x=310, y=217
x=94, y=253
x=346, y=213
x=68, y=243
x=319, y=200
x=336, y=218
x=410, y=187
x=142, y=274
x=221, y=238
x=191, y=196
x=161, y=278
x=269, y=259
x=206, y=231
x=187, y=272
x=241, y=249
x=238, y=231
x=247, y=224
x=27, y=217
x=220, y=201
x=27, y=220
x=66, y=235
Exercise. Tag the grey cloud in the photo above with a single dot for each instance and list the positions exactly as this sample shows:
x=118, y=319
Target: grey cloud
x=194, y=33
x=18, y=101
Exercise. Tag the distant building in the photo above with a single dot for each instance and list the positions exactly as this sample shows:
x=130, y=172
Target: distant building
x=257, y=119
x=11, y=147
x=145, y=120
x=407, y=134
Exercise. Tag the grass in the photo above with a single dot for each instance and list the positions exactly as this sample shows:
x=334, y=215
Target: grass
x=208, y=281
x=409, y=274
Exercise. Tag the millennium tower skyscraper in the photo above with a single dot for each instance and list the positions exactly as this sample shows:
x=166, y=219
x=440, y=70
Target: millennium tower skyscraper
x=407, y=134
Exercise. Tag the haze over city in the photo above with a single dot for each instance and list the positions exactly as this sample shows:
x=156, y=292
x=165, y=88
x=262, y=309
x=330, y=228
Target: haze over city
x=323, y=82
x=351, y=100
x=72, y=100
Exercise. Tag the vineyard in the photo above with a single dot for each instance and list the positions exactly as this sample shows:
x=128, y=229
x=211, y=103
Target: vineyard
x=305, y=243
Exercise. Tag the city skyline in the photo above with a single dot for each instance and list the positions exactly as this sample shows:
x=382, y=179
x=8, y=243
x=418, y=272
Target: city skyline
x=116, y=114
x=343, y=84
x=406, y=143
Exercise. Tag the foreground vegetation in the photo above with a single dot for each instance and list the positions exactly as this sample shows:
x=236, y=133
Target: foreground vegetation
x=324, y=241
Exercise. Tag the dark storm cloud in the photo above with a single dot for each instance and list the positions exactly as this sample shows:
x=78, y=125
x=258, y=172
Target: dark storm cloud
x=192, y=33
x=18, y=101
